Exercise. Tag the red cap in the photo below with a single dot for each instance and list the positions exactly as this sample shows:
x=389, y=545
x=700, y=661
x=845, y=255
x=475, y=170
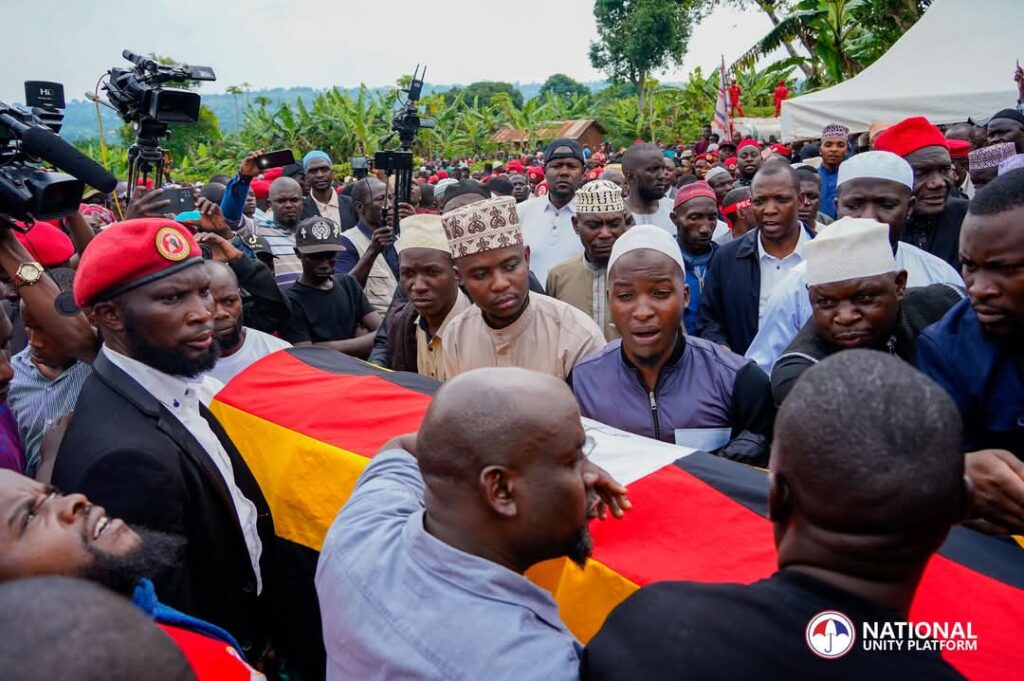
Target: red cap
x=47, y=244
x=514, y=165
x=595, y=173
x=261, y=188
x=909, y=135
x=535, y=172
x=542, y=188
x=781, y=149
x=272, y=174
x=958, y=148
x=731, y=162
x=748, y=143
x=433, y=179
x=694, y=190
x=133, y=253
x=442, y=174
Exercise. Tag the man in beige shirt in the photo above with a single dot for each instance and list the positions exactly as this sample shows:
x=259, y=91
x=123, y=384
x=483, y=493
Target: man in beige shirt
x=507, y=326
x=601, y=218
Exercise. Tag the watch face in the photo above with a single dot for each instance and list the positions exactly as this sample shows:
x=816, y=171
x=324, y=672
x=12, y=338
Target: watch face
x=29, y=272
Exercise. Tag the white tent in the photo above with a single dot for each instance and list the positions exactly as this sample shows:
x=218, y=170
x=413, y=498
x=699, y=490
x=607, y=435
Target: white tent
x=956, y=61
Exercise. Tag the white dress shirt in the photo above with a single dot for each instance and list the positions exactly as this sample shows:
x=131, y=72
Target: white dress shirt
x=789, y=307
x=181, y=396
x=774, y=270
x=548, y=232
x=660, y=218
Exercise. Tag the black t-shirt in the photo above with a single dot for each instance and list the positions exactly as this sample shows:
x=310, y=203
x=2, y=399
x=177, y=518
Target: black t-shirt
x=677, y=630
x=332, y=315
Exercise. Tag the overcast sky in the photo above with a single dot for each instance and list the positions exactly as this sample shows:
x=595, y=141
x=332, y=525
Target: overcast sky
x=274, y=43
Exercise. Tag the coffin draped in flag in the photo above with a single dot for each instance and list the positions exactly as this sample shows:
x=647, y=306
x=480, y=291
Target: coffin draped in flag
x=308, y=420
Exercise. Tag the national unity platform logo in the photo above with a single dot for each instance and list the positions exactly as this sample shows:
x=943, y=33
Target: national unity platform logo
x=830, y=634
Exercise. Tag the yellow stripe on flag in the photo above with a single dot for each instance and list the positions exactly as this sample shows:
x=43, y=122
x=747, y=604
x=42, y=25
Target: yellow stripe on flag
x=305, y=481
x=585, y=596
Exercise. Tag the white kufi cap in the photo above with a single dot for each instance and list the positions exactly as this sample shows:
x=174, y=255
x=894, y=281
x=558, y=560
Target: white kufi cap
x=879, y=165
x=849, y=248
x=646, y=237
x=423, y=230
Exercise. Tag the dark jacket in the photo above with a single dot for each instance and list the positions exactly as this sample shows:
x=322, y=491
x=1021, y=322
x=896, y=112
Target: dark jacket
x=732, y=287
x=701, y=386
x=401, y=333
x=983, y=374
x=921, y=307
x=346, y=207
x=265, y=308
x=127, y=453
x=939, y=235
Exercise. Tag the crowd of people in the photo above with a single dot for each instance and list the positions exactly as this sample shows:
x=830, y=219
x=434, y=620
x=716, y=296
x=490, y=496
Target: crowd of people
x=847, y=312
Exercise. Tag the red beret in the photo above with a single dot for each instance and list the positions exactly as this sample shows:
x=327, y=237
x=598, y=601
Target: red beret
x=542, y=188
x=958, y=148
x=261, y=188
x=442, y=174
x=693, y=190
x=47, y=244
x=731, y=162
x=272, y=174
x=909, y=135
x=748, y=143
x=781, y=149
x=433, y=179
x=133, y=253
x=514, y=165
x=535, y=172
x=595, y=173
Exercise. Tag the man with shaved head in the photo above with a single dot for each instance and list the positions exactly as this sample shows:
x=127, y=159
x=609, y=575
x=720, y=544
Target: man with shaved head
x=286, y=206
x=866, y=478
x=648, y=179
x=421, y=574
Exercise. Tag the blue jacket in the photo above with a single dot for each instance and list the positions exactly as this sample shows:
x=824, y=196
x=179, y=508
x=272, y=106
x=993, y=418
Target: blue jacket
x=144, y=598
x=732, y=288
x=696, y=273
x=984, y=375
x=701, y=386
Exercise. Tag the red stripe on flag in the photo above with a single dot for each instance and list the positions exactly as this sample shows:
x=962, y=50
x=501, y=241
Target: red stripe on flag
x=364, y=411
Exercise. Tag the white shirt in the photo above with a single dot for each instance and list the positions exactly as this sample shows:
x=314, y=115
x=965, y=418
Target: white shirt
x=181, y=397
x=330, y=210
x=548, y=232
x=774, y=270
x=722, y=234
x=789, y=307
x=255, y=346
x=660, y=218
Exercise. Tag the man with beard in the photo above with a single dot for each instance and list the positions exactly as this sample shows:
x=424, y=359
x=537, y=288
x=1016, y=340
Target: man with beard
x=600, y=219
x=441, y=527
x=934, y=225
x=286, y=206
x=163, y=460
x=416, y=326
x=48, y=533
x=876, y=185
x=547, y=220
x=834, y=138
x=695, y=215
x=975, y=351
x=660, y=382
x=323, y=200
x=1007, y=126
x=860, y=300
x=648, y=179
x=508, y=325
x=748, y=162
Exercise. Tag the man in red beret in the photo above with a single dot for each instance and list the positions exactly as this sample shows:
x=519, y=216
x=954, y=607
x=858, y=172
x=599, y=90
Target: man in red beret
x=958, y=152
x=934, y=225
x=748, y=162
x=141, y=441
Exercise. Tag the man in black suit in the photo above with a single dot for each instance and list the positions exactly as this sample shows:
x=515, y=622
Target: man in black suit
x=141, y=442
x=323, y=200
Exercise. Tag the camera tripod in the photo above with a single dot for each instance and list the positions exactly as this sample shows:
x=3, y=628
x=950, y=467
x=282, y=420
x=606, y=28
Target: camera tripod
x=146, y=158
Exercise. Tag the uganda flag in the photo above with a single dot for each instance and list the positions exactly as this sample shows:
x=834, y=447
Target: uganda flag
x=308, y=420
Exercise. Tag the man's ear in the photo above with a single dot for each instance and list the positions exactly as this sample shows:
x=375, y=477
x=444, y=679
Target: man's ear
x=526, y=255
x=497, y=487
x=458, y=275
x=911, y=205
x=967, y=502
x=575, y=225
x=779, y=499
x=901, y=284
x=109, y=316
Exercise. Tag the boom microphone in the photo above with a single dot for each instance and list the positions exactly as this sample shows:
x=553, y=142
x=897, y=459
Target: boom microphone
x=42, y=143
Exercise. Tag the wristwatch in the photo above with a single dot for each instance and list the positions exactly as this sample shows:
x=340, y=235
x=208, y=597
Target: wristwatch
x=28, y=273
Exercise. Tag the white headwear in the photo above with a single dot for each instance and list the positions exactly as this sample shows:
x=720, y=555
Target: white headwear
x=715, y=172
x=441, y=185
x=599, y=196
x=880, y=165
x=646, y=237
x=849, y=248
x=422, y=231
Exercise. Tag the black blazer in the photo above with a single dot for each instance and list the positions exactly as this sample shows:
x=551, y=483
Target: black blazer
x=346, y=207
x=129, y=454
x=732, y=290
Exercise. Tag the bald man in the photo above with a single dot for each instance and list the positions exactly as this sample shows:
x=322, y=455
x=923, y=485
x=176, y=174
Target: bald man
x=286, y=205
x=856, y=520
x=649, y=180
x=421, y=574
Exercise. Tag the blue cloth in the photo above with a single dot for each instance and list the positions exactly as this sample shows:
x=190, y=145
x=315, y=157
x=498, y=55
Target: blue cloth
x=349, y=258
x=829, y=180
x=696, y=271
x=12, y=454
x=144, y=598
x=400, y=603
x=983, y=374
x=233, y=201
x=315, y=154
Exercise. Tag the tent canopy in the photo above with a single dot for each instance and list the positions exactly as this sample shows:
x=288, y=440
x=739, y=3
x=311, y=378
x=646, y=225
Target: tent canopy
x=956, y=62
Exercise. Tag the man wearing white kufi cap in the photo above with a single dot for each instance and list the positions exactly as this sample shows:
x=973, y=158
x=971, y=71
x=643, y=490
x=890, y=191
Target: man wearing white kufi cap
x=859, y=299
x=659, y=382
x=507, y=326
x=601, y=218
x=876, y=185
x=416, y=326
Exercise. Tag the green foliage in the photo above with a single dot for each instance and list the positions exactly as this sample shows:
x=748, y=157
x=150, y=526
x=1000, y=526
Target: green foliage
x=484, y=92
x=564, y=87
